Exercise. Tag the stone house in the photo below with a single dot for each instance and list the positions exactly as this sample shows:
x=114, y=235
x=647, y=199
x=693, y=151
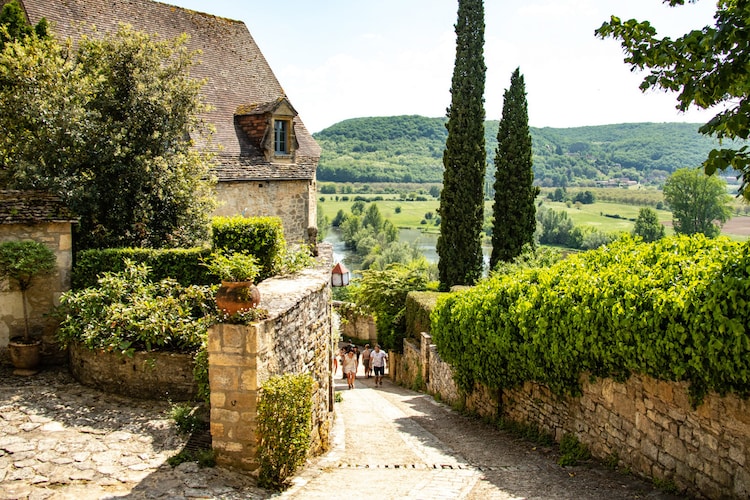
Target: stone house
x=37, y=216
x=265, y=158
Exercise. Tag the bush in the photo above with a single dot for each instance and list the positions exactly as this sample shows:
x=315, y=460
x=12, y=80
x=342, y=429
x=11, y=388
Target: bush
x=126, y=312
x=181, y=264
x=284, y=426
x=675, y=310
x=262, y=237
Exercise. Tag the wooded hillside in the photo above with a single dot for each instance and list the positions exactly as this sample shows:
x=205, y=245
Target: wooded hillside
x=410, y=149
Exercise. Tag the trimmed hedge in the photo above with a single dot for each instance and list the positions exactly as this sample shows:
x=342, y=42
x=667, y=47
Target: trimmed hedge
x=262, y=237
x=419, y=305
x=284, y=427
x=181, y=264
x=676, y=310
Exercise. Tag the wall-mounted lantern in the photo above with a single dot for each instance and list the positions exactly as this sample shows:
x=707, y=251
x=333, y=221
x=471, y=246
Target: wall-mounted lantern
x=339, y=275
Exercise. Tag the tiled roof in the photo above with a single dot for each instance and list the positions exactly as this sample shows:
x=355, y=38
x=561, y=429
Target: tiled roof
x=235, y=168
x=32, y=207
x=237, y=74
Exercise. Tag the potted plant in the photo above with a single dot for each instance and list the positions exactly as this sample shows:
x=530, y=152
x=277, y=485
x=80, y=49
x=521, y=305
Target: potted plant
x=237, y=272
x=21, y=262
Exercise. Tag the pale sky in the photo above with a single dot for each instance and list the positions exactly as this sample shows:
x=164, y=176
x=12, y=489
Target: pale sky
x=339, y=59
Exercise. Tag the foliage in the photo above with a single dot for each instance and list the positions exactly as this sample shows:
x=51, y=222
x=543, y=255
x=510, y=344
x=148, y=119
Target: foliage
x=706, y=66
x=676, y=309
x=572, y=450
x=419, y=306
x=284, y=426
x=182, y=264
x=22, y=261
x=392, y=149
x=15, y=27
x=126, y=313
x=233, y=266
x=107, y=127
x=262, y=237
x=205, y=458
x=383, y=294
x=200, y=373
x=187, y=418
x=514, y=210
x=459, y=246
x=647, y=225
x=697, y=201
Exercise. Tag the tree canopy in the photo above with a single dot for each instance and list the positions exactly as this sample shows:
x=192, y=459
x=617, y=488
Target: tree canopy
x=708, y=67
x=459, y=245
x=513, y=209
x=699, y=203
x=108, y=127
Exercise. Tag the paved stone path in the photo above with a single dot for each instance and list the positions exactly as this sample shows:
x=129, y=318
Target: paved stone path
x=60, y=440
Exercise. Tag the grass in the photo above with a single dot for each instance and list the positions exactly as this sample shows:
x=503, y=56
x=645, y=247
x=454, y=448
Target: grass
x=602, y=215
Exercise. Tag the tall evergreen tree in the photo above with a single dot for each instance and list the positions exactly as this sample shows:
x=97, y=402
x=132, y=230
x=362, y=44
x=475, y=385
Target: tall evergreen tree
x=459, y=246
x=514, y=210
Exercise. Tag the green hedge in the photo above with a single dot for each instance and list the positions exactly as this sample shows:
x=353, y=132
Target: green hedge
x=181, y=264
x=262, y=237
x=676, y=309
x=284, y=427
x=419, y=305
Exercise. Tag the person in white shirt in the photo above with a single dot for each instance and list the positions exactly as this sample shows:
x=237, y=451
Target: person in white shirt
x=378, y=359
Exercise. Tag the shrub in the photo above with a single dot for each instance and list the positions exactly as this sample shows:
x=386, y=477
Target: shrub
x=262, y=237
x=181, y=264
x=675, y=309
x=284, y=426
x=127, y=312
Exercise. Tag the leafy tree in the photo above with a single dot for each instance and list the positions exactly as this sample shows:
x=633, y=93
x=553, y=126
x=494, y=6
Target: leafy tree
x=556, y=227
x=16, y=27
x=708, y=67
x=514, y=210
x=699, y=203
x=108, y=129
x=459, y=245
x=647, y=225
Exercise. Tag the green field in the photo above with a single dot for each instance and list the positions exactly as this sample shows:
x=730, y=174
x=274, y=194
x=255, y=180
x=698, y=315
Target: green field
x=602, y=216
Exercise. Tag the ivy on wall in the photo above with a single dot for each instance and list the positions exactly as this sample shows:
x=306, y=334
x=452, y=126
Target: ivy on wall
x=676, y=310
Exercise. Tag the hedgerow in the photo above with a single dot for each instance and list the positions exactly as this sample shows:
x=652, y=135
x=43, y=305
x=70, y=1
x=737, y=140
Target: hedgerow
x=676, y=309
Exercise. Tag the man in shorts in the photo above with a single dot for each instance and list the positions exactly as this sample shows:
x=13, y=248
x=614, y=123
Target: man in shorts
x=378, y=359
x=366, y=360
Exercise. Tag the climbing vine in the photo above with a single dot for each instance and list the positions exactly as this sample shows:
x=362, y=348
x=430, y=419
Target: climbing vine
x=676, y=309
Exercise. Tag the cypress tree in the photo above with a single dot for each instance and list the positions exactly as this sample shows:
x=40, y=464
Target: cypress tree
x=514, y=210
x=459, y=246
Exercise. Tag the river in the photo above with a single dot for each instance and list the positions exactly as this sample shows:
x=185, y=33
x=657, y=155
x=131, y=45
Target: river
x=425, y=242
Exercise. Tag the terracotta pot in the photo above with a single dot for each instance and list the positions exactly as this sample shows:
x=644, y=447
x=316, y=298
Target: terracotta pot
x=236, y=296
x=25, y=357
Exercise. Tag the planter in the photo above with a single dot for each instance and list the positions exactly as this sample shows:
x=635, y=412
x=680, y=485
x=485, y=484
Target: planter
x=24, y=356
x=237, y=296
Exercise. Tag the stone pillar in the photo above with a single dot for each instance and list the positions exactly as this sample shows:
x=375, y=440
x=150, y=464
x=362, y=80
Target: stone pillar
x=233, y=378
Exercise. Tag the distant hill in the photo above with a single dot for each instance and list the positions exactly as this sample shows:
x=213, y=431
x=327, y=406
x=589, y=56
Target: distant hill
x=410, y=149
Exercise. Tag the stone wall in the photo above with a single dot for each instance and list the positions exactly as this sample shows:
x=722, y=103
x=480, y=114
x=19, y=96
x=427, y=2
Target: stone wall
x=296, y=338
x=292, y=201
x=647, y=424
x=44, y=293
x=356, y=326
x=146, y=375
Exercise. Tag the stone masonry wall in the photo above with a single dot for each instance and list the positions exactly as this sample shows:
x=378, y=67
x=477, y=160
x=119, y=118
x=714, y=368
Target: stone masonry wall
x=649, y=425
x=296, y=338
x=44, y=293
x=292, y=201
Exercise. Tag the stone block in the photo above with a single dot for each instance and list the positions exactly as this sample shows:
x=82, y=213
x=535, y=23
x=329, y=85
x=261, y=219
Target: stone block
x=224, y=416
x=222, y=378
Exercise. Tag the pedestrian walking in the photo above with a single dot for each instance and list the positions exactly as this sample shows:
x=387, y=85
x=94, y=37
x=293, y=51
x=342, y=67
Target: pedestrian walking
x=378, y=359
x=350, y=367
x=366, y=360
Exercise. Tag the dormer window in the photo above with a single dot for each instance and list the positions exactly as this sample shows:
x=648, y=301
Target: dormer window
x=281, y=137
x=269, y=128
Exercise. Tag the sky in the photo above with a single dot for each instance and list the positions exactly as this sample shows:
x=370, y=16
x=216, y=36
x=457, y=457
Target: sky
x=340, y=59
